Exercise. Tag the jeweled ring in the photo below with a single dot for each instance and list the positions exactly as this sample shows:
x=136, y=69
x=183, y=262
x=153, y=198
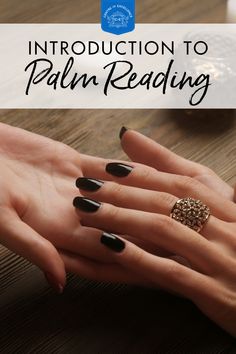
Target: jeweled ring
x=191, y=212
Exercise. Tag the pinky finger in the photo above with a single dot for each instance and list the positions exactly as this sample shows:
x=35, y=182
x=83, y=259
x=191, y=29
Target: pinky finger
x=26, y=242
x=97, y=271
x=161, y=272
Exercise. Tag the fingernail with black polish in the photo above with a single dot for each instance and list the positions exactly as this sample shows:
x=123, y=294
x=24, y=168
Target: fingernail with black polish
x=122, y=132
x=118, y=169
x=113, y=242
x=86, y=205
x=89, y=184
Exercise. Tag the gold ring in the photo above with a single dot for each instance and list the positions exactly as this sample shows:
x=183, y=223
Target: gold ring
x=191, y=212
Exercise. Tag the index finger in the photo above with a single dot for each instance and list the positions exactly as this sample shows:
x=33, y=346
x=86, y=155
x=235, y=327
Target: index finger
x=141, y=149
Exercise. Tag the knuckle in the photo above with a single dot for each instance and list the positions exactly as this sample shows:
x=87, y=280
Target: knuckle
x=185, y=184
x=160, y=224
x=117, y=193
x=136, y=256
x=164, y=223
x=113, y=213
x=206, y=170
x=168, y=199
x=146, y=174
x=173, y=270
x=205, y=176
x=162, y=202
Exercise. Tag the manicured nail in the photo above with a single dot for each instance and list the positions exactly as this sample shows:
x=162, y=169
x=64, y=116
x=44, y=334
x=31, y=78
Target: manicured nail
x=113, y=242
x=122, y=132
x=86, y=205
x=118, y=169
x=89, y=184
x=54, y=283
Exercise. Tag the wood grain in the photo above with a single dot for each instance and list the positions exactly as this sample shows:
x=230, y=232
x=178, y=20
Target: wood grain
x=93, y=318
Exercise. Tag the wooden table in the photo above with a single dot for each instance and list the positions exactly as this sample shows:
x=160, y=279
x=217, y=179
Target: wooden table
x=93, y=318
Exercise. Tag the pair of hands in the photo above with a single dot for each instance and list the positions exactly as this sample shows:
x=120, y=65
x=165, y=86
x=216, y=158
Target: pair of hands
x=37, y=219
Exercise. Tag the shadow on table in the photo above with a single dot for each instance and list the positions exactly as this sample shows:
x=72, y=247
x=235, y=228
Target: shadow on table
x=93, y=318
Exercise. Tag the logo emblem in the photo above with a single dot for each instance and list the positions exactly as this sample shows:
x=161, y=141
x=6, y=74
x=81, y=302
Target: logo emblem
x=118, y=16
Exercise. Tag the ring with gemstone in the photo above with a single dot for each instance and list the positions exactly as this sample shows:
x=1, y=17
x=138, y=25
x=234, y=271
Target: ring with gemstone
x=191, y=212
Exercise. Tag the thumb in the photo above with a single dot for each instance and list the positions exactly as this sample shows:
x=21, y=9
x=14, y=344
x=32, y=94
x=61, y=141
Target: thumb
x=23, y=240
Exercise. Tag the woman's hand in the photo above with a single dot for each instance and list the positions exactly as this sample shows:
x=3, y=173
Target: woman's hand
x=36, y=184
x=145, y=151
x=37, y=219
x=141, y=208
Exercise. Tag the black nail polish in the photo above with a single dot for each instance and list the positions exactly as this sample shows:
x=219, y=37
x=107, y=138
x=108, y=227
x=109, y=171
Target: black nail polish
x=86, y=205
x=113, y=242
x=122, y=132
x=118, y=169
x=89, y=184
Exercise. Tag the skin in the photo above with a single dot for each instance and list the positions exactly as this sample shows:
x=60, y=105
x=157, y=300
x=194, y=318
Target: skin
x=139, y=205
x=37, y=219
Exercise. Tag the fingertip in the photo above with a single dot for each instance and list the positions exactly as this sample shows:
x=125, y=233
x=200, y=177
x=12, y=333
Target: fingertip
x=88, y=184
x=122, y=132
x=26, y=242
x=54, y=269
x=76, y=201
x=127, y=135
x=54, y=283
x=113, y=242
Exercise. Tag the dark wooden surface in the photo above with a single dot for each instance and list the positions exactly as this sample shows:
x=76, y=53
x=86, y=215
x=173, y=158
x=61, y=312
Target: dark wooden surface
x=93, y=318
